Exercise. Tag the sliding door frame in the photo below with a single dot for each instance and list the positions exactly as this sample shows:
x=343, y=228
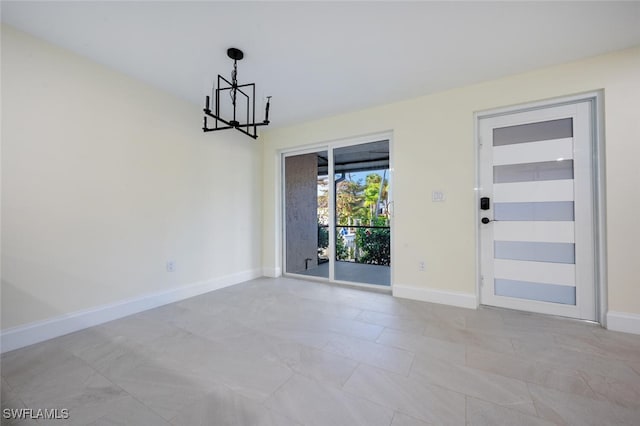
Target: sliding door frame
x=329, y=147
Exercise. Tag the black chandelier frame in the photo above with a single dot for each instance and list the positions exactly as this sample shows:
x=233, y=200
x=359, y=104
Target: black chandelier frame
x=248, y=91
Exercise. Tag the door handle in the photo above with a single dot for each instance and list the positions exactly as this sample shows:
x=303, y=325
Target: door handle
x=486, y=220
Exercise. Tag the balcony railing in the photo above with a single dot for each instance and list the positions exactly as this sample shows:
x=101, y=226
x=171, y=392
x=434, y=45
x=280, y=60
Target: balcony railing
x=357, y=243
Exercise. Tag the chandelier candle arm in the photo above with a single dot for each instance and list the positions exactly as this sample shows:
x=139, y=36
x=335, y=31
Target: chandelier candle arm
x=247, y=98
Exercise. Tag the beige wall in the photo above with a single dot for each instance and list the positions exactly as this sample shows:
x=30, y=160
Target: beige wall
x=434, y=150
x=104, y=179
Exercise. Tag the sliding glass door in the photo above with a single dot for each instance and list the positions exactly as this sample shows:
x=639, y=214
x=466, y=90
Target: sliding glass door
x=339, y=228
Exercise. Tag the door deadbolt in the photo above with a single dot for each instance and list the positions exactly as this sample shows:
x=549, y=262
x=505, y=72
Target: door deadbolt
x=485, y=203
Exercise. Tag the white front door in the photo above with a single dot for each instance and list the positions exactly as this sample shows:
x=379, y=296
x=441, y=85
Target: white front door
x=537, y=211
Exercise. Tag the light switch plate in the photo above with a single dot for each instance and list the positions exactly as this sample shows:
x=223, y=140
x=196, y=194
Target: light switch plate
x=437, y=196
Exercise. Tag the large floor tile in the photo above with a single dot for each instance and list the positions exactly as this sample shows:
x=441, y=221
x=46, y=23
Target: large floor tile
x=412, y=396
x=207, y=362
x=84, y=392
x=551, y=352
x=292, y=330
x=9, y=400
x=564, y=408
x=418, y=344
x=468, y=337
x=305, y=360
x=407, y=324
x=500, y=390
x=130, y=411
x=287, y=351
x=162, y=390
x=483, y=413
x=312, y=403
x=401, y=419
x=530, y=370
x=621, y=392
x=222, y=406
x=382, y=356
x=26, y=368
x=311, y=307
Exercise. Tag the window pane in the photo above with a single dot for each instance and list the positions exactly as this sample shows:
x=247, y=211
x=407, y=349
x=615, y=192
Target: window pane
x=536, y=291
x=540, y=131
x=547, y=170
x=545, y=210
x=535, y=251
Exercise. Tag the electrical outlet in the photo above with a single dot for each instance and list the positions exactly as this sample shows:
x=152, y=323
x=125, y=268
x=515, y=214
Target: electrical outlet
x=422, y=265
x=171, y=265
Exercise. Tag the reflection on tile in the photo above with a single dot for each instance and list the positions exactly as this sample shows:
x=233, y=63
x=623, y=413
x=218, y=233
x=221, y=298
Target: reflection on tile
x=618, y=341
x=304, y=306
x=563, y=408
x=136, y=328
x=452, y=352
x=469, y=337
x=26, y=368
x=113, y=357
x=622, y=392
x=394, y=322
x=213, y=328
x=129, y=411
x=483, y=413
x=286, y=351
x=222, y=406
x=392, y=359
x=206, y=362
x=400, y=419
x=9, y=400
x=5, y=391
x=305, y=360
x=470, y=381
x=164, y=391
x=635, y=365
x=311, y=403
x=412, y=396
x=545, y=351
x=596, y=346
x=84, y=392
x=528, y=370
x=314, y=337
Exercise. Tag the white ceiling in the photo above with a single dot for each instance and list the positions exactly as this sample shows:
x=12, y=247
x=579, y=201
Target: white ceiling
x=325, y=58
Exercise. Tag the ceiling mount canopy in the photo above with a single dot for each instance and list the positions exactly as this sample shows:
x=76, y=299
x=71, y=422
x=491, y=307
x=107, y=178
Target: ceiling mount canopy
x=241, y=103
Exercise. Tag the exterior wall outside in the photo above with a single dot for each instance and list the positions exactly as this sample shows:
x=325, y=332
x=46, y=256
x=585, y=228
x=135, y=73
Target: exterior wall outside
x=434, y=150
x=302, y=211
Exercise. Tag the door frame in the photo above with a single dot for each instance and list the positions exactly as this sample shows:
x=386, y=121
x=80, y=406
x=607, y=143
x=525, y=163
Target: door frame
x=329, y=146
x=596, y=98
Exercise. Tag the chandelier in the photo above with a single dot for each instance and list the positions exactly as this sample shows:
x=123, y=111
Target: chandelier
x=242, y=98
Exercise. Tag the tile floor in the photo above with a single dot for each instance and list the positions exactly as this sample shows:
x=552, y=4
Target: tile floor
x=353, y=272
x=291, y=352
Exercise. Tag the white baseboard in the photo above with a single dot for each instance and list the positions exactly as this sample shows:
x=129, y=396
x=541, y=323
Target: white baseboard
x=25, y=335
x=453, y=298
x=623, y=321
x=271, y=272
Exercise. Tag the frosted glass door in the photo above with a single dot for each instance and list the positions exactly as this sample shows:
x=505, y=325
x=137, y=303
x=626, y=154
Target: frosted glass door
x=537, y=235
